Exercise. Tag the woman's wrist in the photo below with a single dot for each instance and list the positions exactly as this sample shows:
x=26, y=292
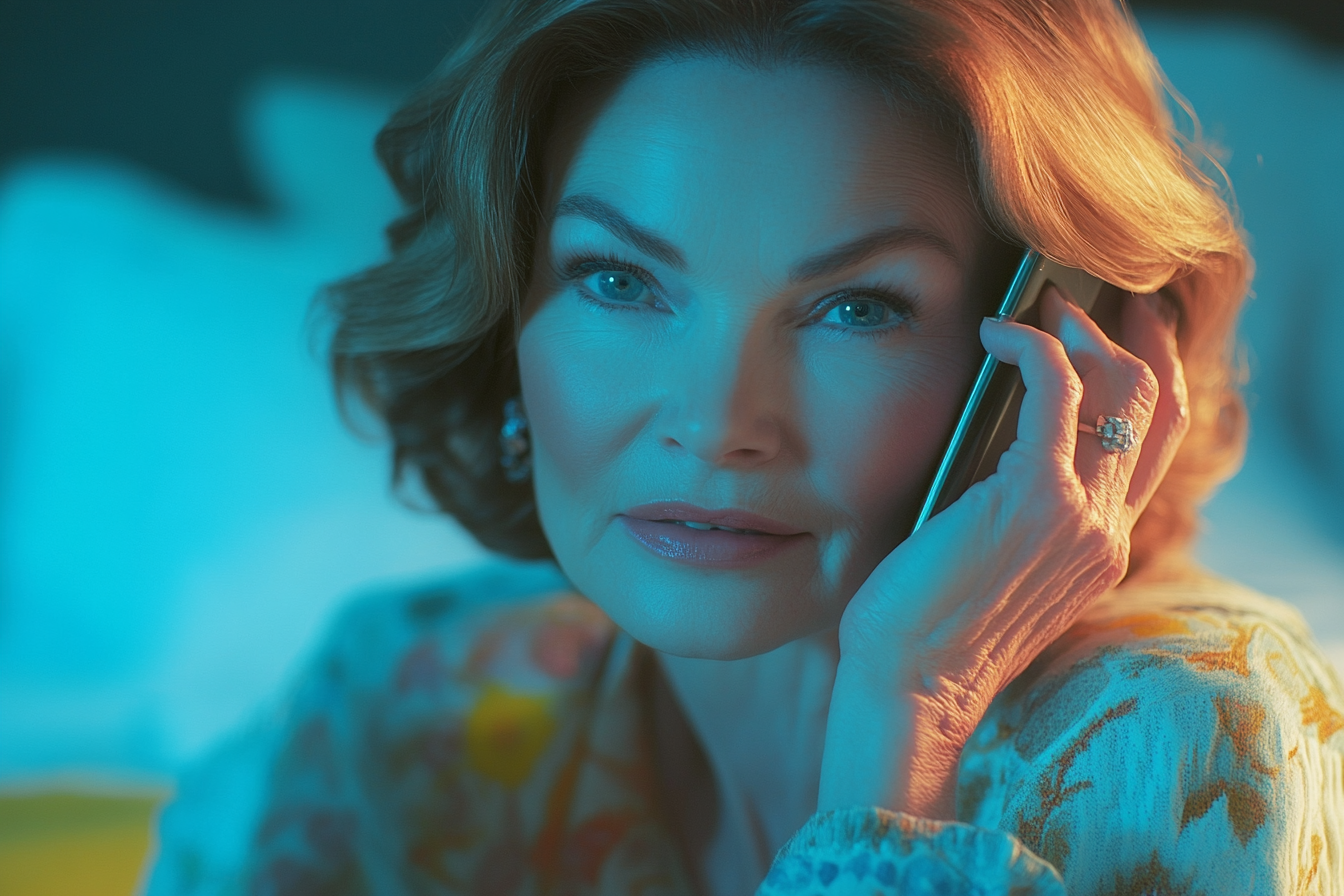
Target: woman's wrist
x=887, y=746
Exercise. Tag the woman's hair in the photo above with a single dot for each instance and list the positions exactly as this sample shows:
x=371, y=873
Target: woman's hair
x=1069, y=145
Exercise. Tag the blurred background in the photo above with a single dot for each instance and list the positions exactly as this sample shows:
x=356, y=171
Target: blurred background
x=180, y=506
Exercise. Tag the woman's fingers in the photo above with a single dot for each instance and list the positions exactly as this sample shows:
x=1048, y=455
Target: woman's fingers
x=1115, y=384
x=1073, y=373
x=1150, y=334
x=1047, y=424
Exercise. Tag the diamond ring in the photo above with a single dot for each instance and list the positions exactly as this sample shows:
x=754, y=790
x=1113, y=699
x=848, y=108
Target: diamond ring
x=1116, y=433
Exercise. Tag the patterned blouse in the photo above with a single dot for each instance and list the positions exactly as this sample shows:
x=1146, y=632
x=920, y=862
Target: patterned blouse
x=490, y=736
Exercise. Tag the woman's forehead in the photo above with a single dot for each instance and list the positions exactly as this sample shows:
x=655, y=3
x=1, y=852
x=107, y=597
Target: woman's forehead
x=706, y=146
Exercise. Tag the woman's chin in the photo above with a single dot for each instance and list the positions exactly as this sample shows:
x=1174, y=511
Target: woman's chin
x=720, y=632
x=697, y=612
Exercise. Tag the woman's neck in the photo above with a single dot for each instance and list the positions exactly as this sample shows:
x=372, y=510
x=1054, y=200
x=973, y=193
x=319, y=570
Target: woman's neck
x=760, y=726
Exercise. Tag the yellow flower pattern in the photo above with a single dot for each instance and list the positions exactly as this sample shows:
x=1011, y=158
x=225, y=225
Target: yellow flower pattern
x=507, y=732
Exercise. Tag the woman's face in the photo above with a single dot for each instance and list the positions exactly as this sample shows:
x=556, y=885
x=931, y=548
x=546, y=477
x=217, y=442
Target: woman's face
x=752, y=291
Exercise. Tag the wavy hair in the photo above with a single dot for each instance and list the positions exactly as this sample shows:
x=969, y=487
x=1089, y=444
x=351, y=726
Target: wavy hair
x=1069, y=142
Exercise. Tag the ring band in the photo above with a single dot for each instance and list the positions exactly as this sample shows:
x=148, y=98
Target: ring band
x=1116, y=433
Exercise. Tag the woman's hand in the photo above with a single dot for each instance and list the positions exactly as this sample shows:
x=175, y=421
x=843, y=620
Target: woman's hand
x=956, y=611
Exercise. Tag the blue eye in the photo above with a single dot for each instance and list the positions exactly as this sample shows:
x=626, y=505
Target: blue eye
x=608, y=284
x=861, y=313
x=620, y=286
x=868, y=316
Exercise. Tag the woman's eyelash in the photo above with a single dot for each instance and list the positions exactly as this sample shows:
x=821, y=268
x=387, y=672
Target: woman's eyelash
x=901, y=306
x=572, y=269
x=577, y=268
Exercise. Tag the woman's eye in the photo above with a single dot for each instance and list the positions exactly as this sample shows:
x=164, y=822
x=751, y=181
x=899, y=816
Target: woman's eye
x=863, y=313
x=608, y=284
x=619, y=286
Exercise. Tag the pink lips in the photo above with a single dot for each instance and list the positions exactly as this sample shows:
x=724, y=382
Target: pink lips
x=650, y=525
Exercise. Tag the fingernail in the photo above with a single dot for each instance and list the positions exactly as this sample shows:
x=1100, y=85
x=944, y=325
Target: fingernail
x=1000, y=318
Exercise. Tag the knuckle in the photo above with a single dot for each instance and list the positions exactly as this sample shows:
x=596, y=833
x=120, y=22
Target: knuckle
x=1142, y=381
x=1071, y=385
x=1049, y=348
x=1057, y=367
x=1148, y=388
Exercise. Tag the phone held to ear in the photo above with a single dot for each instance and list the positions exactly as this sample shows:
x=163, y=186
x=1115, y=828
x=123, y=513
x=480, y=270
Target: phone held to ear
x=987, y=424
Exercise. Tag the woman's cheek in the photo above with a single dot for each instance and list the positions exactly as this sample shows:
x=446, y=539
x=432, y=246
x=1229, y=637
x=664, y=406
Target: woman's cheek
x=880, y=432
x=572, y=382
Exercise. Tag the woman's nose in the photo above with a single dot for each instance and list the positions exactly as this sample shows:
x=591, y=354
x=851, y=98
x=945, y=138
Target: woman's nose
x=725, y=402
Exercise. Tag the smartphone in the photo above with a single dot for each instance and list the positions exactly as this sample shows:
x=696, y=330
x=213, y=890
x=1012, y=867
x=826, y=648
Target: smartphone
x=987, y=424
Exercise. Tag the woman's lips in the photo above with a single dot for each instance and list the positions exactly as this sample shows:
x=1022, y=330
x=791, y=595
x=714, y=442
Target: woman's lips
x=732, y=517
x=712, y=547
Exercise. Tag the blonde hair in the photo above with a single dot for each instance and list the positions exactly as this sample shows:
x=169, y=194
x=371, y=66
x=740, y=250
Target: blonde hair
x=1061, y=112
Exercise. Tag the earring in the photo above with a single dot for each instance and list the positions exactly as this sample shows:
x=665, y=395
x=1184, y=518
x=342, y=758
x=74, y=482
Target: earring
x=513, y=445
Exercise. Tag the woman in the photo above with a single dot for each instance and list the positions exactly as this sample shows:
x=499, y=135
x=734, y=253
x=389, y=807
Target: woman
x=693, y=264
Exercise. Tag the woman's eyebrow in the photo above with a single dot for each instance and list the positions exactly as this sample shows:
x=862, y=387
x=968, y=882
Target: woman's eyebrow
x=603, y=213
x=856, y=250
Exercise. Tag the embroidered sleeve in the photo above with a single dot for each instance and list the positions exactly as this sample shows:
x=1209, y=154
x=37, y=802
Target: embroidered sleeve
x=863, y=852
x=1182, y=751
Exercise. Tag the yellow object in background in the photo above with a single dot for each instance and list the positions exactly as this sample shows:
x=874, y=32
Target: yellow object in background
x=74, y=843
x=507, y=731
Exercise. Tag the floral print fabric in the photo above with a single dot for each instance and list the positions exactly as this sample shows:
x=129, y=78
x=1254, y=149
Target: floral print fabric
x=492, y=737
x=1179, y=739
